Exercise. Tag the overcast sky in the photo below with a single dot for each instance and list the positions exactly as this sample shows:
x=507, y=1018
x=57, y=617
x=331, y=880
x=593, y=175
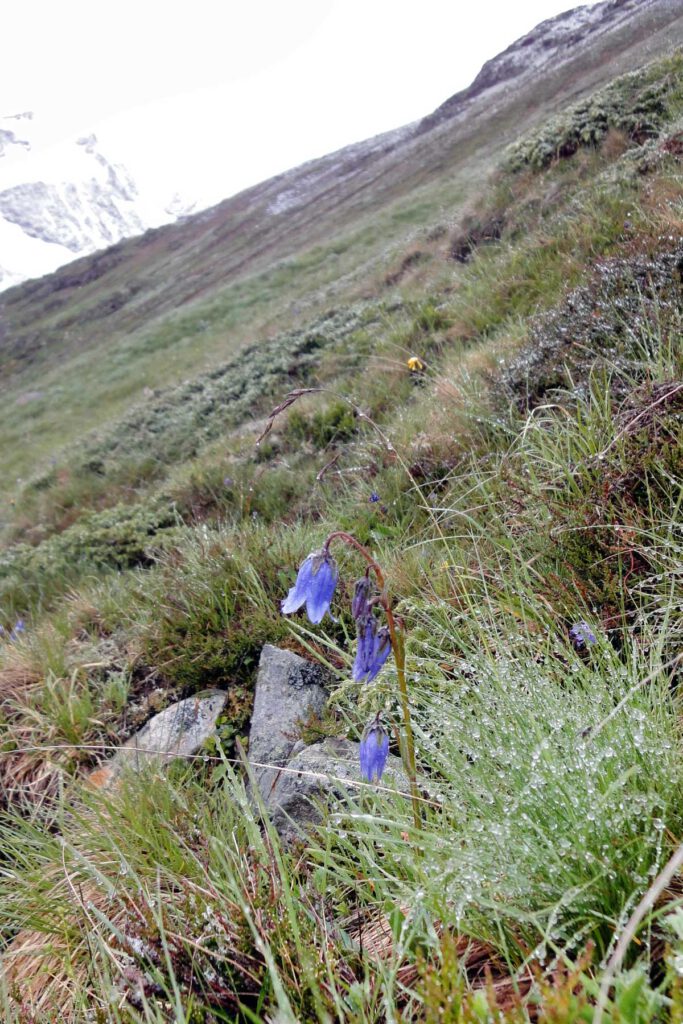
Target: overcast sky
x=219, y=95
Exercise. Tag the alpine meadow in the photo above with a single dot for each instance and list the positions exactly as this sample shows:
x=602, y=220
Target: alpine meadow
x=408, y=420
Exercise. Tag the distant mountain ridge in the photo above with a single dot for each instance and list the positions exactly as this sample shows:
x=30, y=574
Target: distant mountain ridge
x=561, y=60
x=61, y=201
x=551, y=42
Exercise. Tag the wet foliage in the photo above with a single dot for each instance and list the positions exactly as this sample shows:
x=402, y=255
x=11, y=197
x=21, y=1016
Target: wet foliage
x=637, y=105
x=632, y=307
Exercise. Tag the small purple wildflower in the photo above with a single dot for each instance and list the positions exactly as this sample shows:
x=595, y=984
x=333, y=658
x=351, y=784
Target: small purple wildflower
x=16, y=631
x=314, y=586
x=374, y=749
x=374, y=497
x=374, y=647
x=381, y=652
x=582, y=635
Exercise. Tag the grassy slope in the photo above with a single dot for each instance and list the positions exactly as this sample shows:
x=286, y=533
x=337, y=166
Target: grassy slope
x=78, y=348
x=530, y=479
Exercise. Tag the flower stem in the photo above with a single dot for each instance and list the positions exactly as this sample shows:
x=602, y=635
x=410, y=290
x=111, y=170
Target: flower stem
x=399, y=652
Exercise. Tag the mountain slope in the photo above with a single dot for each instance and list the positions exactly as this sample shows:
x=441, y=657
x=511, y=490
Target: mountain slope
x=313, y=236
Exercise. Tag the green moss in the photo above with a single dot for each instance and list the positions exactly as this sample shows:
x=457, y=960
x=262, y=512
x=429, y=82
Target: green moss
x=119, y=538
x=326, y=426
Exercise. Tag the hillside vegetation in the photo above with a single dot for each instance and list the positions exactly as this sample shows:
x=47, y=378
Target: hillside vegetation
x=526, y=481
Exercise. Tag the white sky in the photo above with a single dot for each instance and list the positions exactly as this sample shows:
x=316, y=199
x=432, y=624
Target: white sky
x=210, y=97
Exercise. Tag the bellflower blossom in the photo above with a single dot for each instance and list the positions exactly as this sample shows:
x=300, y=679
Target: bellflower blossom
x=18, y=628
x=374, y=647
x=314, y=587
x=374, y=749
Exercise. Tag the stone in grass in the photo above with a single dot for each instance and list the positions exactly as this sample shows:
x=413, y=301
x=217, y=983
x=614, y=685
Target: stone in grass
x=314, y=776
x=289, y=690
x=178, y=731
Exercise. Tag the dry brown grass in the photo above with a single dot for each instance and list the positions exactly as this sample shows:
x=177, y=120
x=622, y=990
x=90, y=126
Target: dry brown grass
x=17, y=683
x=45, y=972
x=27, y=776
x=30, y=774
x=481, y=964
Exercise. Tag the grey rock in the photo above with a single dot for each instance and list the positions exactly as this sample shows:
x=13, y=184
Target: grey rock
x=288, y=689
x=178, y=731
x=318, y=775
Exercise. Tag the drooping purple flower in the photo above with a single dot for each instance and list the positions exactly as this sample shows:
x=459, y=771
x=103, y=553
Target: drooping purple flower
x=359, y=603
x=374, y=749
x=374, y=647
x=381, y=652
x=582, y=635
x=374, y=497
x=314, y=587
x=367, y=630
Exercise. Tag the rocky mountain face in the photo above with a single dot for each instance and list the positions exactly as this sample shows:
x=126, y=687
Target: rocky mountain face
x=563, y=58
x=554, y=43
x=388, y=177
x=46, y=221
x=58, y=202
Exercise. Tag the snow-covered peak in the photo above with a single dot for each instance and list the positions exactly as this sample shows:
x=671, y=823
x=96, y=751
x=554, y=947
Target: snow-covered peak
x=12, y=138
x=63, y=198
x=549, y=44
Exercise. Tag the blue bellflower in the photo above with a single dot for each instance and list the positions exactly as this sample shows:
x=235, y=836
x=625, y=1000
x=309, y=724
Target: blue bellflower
x=374, y=749
x=366, y=645
x=374, y=647
x=314, y=586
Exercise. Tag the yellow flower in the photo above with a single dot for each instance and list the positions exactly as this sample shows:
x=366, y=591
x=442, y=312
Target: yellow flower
x=415, y=364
